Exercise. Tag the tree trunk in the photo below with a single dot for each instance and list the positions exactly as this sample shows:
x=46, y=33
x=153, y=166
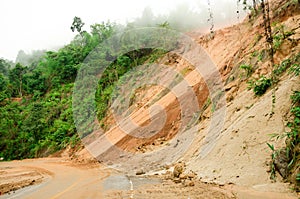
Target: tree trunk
x=254, y=6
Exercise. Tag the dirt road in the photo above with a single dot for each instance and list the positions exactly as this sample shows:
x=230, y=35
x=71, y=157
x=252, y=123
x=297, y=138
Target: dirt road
x=59, y=178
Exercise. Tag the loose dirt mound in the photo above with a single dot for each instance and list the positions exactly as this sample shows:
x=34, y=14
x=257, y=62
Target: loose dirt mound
x=170, y=190
x=13, y=178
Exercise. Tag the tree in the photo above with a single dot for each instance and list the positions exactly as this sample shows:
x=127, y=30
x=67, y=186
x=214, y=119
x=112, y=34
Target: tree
x=77, y=25
x=3, y=83
x=254, y=6
x=35, y=81
x=102, y=31
x=4, y=66
x=16, y=79
x=268, y=30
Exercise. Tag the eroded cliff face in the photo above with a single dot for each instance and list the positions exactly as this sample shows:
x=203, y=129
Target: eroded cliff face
x=240, y=153
x=229, y=140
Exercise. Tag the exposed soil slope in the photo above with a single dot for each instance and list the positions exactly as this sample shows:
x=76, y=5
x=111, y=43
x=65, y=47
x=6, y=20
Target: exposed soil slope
x=235, y=160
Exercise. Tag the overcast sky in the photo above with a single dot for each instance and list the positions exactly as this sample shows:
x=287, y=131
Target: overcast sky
x=45, y=24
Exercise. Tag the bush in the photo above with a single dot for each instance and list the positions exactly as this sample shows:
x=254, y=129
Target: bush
x=260, y=86
x=248, y=69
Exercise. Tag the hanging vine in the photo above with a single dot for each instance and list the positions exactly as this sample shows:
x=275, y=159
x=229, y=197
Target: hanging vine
x=254, y=6
x=211, y=18
x=268, y=30
x=238, y=11
x=238, y=27
x=269, y=38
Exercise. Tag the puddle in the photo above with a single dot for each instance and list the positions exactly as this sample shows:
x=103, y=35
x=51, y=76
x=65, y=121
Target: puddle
x=121, y=182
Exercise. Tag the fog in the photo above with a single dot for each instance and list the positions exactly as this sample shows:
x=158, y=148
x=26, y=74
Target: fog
x=200, y=16
x=37, y=25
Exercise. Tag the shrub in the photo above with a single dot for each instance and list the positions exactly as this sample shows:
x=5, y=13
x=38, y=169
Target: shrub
x=260, y=86
x=248, y=69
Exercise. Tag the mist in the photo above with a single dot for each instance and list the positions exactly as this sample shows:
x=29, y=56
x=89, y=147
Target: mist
x=33, y=25
x=201, y=16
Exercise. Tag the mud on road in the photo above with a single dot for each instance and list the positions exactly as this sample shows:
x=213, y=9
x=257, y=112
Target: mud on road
x=60, y=178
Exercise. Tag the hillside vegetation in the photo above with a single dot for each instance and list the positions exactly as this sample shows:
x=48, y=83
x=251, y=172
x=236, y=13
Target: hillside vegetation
x=36, y=100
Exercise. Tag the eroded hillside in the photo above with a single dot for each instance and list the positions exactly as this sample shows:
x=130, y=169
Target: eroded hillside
x=238, y=154
x=228, y=140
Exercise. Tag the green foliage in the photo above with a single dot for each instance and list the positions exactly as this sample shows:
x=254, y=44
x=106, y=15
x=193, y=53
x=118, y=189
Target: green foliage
x=294, y=132
x=261, y=55
x=278, y=39
x=285, y=64
x=280, y=35
x=156, y=54
x=77, y=24
x=164, y=25
x=295, y=66
x=16, y=78
x=296, y=97
x=247, y=68
x=292, y=137
x=257, y=38
x=3, y=83
x=271, y=146
x=115, y=71
x=291, y=63
x=295, y=69
x=260, y=86
x=4, y=66
x=298, y=177
x=288, y=4
x=40, y=120
x=36, y=128
x=272, y=166
x=36, y=115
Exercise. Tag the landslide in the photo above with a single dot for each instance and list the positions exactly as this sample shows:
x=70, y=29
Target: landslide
x=239, y=154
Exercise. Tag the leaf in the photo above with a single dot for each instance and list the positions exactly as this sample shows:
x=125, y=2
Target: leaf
x=298, y=177
x=291, y=163
x=274, y=135
x=271, y=146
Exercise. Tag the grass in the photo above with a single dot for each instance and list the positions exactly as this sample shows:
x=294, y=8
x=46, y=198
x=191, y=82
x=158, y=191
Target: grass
x=247, y=68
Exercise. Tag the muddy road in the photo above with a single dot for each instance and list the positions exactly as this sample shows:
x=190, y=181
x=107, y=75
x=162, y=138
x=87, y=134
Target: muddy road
x=60, y=178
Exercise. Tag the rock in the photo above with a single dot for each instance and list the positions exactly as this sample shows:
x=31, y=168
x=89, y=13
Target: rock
x=178, y=169
x=177, y=180
x=168, y=175
x=110, y=163
x=167, y=166
x=281, y=163
x=140, y=172
x=231, y=93
x=230, y=85
x=191, y=175
x=189, y=183
x=183, y=176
